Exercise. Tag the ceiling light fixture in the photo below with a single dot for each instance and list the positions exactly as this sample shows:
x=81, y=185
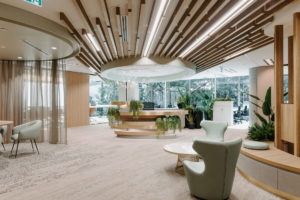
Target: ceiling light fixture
x=20, y=57
x=237, y=53
x=162, y=7
x=240, y=6
x=93, y=70
x=92, y=40
x=53, y=48
x=2, y=47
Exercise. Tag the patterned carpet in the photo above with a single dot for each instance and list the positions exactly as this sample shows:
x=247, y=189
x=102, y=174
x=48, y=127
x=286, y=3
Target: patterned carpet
x=98, y=165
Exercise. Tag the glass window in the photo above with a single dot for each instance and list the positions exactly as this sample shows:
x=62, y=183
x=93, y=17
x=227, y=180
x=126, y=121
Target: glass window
x=102, y=93
x=199, y=87
x=173, y=93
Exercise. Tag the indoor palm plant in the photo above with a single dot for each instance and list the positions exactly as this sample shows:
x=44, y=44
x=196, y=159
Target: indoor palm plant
x=265, y=130
x=135, y=107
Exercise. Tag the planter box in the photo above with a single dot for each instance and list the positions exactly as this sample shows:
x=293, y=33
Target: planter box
x=223, y=111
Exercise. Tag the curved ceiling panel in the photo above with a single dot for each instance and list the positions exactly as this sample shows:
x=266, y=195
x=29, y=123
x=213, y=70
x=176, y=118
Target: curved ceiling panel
x=154, y=69
x=27, y=36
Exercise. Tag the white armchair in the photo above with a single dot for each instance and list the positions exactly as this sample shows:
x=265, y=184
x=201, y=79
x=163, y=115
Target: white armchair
x=29, y=131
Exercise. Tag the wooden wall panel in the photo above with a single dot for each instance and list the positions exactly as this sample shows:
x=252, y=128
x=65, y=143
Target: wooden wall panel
x=287, y=122
x=297, y=82
x=278, y=58
x=77, y=99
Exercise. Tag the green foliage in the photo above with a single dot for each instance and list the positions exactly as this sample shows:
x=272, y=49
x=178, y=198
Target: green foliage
x=167, y=123
x=184, y=99
x=265, y=131
x=135, y=107
x=261, y=132
x=190, y=118
x=113, y=115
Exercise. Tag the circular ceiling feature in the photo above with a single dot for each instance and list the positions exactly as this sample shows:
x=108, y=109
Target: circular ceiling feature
x=27, y=36
x=153, y=69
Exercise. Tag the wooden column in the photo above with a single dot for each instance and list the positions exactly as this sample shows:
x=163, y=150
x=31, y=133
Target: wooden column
x=278, y=59
x=290, y=70
x=297, y=83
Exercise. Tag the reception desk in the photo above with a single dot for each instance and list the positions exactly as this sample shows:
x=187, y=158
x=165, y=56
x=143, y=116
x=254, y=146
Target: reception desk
x=145, y=124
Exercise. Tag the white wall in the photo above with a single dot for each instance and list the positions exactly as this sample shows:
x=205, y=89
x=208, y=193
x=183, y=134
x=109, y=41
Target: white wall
x=132, y=91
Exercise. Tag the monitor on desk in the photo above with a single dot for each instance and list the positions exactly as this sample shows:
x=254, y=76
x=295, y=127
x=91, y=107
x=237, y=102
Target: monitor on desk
x=148, y=106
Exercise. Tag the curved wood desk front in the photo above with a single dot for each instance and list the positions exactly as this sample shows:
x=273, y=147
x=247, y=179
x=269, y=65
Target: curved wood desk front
x=145, y=124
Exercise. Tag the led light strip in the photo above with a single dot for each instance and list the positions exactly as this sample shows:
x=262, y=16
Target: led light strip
x=240, y=6
x=91, y=39
x=157, y=21
x=237, y=53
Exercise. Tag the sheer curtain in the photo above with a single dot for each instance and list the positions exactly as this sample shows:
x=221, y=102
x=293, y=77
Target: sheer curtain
x=31, y=90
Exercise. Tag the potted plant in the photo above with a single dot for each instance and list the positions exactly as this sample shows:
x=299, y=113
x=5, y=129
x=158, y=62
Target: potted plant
x=113, y=115
x=169, y=124
x=190, y=119
x=160, y=126
x=198, y=116
x=190, y=109
x=265, y=130
x=135, y=107
x=207, y=106
x=184, y=100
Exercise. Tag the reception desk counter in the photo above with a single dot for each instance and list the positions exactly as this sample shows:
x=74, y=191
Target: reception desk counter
x=145, y=124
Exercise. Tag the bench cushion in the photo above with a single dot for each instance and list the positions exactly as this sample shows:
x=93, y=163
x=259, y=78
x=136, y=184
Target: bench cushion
x=255, y=145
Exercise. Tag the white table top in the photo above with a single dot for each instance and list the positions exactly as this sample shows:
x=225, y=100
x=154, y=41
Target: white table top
x=180, y=148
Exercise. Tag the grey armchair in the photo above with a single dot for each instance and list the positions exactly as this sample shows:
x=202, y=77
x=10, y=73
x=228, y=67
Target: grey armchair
x=214, y=130
x=3, y=131
x=213, y=177
x=29, y=131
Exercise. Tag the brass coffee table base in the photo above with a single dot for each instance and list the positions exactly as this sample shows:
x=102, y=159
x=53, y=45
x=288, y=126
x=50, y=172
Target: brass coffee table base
x=179, y=165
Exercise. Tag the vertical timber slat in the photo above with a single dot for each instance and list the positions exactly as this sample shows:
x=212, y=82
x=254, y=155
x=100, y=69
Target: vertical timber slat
x=278, y=58
x=290, y=70
x=297, y=82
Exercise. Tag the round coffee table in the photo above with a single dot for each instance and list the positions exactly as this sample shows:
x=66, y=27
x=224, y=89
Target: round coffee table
x=184, y=151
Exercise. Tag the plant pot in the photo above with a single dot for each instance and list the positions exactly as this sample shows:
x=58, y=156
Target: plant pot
x=180, y=105
x=198, y=118
x=191, y=126
x=205, y=114
x=186, y=123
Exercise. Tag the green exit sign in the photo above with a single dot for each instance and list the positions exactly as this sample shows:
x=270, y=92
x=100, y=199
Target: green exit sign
x=35, y=2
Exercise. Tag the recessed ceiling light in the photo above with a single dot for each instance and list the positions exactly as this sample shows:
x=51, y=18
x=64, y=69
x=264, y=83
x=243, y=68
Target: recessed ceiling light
x=20, y=57
x=53, y=48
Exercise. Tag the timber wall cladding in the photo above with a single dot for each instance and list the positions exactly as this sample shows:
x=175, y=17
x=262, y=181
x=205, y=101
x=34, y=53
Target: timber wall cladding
x=77, y=99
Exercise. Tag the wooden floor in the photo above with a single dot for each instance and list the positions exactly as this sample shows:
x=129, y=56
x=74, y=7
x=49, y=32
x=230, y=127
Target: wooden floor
x=97, y=165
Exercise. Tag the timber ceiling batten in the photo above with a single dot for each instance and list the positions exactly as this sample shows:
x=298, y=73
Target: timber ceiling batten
x=101, y=52
x=184, y=16
x=74, y=32
x=168, y=25
x=141, y=7
x=206, y=33
x=204, y=20
x=148, y=24
x=249, y=25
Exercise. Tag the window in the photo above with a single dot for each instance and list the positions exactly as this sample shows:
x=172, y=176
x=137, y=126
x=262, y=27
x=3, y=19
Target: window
x=102, y=93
